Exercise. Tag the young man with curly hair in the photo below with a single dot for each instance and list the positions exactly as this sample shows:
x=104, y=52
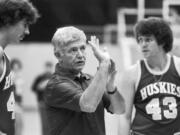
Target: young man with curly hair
x=15, y=18
x=152, y=85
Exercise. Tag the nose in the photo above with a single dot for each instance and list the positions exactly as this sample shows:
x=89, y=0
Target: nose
x=143, y=43
x=80, y=53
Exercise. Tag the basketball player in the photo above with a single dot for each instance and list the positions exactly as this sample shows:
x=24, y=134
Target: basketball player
x=153, y=84
x=15, y=18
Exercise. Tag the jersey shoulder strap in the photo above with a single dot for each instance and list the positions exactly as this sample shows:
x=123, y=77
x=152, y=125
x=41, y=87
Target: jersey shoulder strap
x=3, y=68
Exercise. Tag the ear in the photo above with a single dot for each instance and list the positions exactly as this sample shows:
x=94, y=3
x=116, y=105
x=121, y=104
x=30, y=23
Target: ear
x=58, y=56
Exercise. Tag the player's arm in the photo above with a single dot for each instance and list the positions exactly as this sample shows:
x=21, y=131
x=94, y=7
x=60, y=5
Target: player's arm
x=127, y=89
x=177, y=64
x=1, y=61
x=117, y=104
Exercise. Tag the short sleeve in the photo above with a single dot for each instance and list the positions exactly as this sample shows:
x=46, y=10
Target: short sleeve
x=63, y=93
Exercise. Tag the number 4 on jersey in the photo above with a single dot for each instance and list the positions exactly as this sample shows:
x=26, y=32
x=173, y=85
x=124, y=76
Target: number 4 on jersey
x=11, y=105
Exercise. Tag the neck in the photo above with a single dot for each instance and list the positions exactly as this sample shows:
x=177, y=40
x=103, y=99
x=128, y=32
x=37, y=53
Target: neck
x=158, y=63
x=69, y=70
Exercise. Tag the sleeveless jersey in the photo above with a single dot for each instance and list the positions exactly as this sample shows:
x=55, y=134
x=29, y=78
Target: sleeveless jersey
x=7, y=102
x=157, y=102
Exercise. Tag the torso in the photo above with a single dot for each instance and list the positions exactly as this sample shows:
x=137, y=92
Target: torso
x=157, y=101
x=7, y=114
x=63, y=121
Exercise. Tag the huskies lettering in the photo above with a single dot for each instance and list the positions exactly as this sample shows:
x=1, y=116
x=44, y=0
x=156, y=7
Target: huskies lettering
x=160, y=87
x=9, y=81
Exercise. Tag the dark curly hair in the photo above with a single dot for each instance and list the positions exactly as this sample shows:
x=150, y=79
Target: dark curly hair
x=157, y=27
x=13, y=11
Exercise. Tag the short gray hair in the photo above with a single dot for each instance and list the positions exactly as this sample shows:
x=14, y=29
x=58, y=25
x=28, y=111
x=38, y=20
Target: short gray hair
x=66, y=35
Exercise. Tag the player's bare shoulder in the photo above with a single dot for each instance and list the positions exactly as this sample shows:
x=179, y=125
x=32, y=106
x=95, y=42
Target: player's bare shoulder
x=132, y=72
x=177, y=63
x=131, y=75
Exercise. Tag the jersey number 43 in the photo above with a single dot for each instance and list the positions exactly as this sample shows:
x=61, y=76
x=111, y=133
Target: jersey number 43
x=167, y=108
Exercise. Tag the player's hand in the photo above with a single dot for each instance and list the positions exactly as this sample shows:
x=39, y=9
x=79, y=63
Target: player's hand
x=101, y=55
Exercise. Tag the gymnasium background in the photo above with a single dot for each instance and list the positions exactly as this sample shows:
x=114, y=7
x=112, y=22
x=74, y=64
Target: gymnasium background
x=111, y=21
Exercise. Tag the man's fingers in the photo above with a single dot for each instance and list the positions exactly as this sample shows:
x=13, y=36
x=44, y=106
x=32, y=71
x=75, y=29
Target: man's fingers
x=94, y=42
x=97, y=41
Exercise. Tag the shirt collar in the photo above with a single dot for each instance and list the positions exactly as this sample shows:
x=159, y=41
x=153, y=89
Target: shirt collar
x=69, y=73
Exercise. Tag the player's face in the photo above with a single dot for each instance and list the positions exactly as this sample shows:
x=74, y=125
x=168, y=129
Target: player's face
x=149, y=46
x=74, y=56
x=18, y=31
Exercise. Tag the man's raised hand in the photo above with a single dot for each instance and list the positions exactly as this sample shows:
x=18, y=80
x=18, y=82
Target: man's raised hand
x=101, y=55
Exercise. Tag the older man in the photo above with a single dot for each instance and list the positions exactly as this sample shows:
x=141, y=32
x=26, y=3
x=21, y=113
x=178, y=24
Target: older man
x=75, y=101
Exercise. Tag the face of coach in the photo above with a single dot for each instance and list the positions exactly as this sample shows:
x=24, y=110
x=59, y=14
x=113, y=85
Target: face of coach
x=69, y=48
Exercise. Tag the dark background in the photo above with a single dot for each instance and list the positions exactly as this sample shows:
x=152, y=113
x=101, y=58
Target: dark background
x=58, y=13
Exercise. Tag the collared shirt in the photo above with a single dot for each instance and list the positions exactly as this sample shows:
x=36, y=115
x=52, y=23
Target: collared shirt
x=63, y=110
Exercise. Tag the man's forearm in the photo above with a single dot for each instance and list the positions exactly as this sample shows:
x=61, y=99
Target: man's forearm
x=93, y=94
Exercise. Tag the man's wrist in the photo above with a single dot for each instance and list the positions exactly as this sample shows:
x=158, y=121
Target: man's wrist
x=112, y=92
